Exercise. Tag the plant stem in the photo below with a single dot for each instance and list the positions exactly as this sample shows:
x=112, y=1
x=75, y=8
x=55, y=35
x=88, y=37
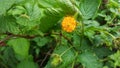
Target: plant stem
x=66, y=51
x=112, y=18
x=82, y=31
x=109, y=34
x=74, y=60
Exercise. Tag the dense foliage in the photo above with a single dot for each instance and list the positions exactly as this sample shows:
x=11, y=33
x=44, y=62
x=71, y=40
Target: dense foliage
x=59, y=33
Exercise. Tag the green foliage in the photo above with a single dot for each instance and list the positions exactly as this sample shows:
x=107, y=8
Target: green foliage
x=8, y=25
x=31, y=35
x=7, y=56
x=27, y=64
x=42, y=41
x=115, y=58
x=89, y=60
x=20, y=46
x=88, y=8
x=65, y=57
x=5, y=5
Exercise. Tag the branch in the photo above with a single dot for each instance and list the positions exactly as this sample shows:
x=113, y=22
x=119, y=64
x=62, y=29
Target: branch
x=2, y=42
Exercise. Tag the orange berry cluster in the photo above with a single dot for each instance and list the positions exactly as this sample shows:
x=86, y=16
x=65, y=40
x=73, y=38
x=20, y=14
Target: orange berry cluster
x=68, y=24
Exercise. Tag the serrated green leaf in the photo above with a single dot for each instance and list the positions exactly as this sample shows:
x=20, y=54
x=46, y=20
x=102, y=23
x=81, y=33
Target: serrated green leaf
x=102, y=52
x=76, y=39
x=81, y=44
x=5, y=5
x=33, y=11
x=98, y=40
x=67, y=6
x=88, y=8
x=85, y=45
x=8, y=56
x=48, y=3
x=32, y=18
x=8, y=24
x=17, y=10
x=20, y=46
x=89, y=60
x=49, y=19
x=116, y=58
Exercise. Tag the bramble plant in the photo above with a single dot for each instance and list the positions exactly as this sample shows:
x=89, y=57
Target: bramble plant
x=59, y=33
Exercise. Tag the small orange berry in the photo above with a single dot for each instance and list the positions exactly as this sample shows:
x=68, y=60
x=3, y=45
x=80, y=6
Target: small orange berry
x=68, y=24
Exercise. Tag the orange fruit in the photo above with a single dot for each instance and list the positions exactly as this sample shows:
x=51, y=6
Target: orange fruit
x=69, y=24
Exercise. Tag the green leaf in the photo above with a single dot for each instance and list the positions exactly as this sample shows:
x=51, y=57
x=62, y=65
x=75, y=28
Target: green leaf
x=91, y=23
x=49, y=19
x=20, y=46
x=8, y=24
x=5, y=5
x=107, y=38
x=48, y=3
x=98, y=40
x=113, y=4
x=41, y=41
x=33, y=11
x=27, y=64
x=67, y=58
x=89, y=8
x=32, y=18
x=67, y=6
x=85, y=45
x=17, y=10
x=81, y=43
x=102, y=52
x=8, y=57
x=116, y=58
x=89, y=60
x=76, y=39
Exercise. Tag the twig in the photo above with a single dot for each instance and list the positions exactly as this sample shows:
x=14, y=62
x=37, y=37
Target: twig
x=3, y=40
x=24, y=36
x=45, y=57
